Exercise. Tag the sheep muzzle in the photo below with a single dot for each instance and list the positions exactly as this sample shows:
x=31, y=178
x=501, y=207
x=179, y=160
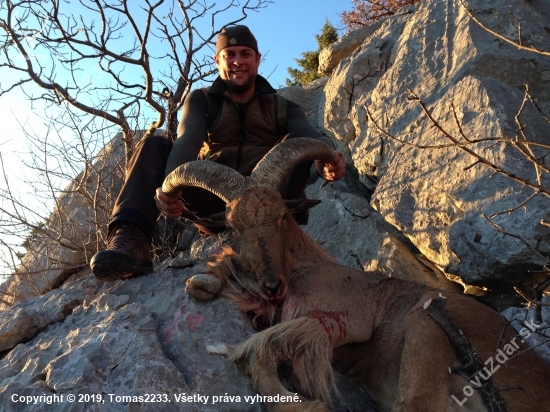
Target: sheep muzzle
x=274, y=291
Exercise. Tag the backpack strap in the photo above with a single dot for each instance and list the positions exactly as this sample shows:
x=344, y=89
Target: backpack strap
x=280, y=115
x=215, y=103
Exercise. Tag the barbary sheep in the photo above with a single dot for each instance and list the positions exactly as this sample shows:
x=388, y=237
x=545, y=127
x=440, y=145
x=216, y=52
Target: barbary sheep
x=400, y=340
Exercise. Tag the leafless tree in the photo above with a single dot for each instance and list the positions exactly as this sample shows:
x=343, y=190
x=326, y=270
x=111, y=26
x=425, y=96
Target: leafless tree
x=103, y=57
x=91, y=69
x=367, y=12
x=62, y=219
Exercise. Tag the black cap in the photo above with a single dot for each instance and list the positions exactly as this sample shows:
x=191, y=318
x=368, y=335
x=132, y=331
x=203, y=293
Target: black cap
x=239, y=35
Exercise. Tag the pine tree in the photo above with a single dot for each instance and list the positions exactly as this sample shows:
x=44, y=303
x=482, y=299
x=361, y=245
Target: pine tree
x=310, y=59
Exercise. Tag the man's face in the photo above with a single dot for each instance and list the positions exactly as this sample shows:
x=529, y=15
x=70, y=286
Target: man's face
x=238, y=66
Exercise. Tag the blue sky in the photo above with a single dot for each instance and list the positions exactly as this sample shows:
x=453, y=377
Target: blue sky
x=287, y=28
x=284, y=29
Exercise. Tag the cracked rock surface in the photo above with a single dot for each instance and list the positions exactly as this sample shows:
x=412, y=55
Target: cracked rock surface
x=130, y=338
x=433, y=194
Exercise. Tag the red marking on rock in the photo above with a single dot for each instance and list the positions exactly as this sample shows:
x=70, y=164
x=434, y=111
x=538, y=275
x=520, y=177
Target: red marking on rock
x=194, y=320
x=325, y=319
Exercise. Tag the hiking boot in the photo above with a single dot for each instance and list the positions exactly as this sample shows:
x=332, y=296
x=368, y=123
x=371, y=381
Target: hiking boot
x=128, y=254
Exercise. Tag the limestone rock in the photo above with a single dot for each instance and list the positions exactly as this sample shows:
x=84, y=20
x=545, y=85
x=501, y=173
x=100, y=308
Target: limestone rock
x=356, y=76
x=436, y=196
x=307, y=97
x=537, y=335
x=132, y=338
x=335, y=52
x=356, y=235
x=71, y=233
x=443, y=216
x=24, y=321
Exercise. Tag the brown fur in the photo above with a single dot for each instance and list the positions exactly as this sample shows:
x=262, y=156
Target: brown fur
x=372, y=328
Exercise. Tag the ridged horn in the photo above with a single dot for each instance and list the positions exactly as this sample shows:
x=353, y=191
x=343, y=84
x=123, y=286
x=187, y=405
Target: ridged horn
x=275, y=166
x=219, y=179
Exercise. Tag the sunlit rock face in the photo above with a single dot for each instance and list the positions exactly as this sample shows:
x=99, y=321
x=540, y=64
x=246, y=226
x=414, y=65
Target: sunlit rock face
x=473, y=85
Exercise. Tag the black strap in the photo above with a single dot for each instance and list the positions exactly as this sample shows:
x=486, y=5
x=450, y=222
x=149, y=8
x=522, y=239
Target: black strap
x=215, y=103
x=280, y=115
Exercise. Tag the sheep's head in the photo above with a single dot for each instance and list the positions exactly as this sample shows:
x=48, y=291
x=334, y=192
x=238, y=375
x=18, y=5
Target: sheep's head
x=257, y=220
x=255, y=213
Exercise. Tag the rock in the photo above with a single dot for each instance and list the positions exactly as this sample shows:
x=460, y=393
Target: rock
x=24, y=321
x=71, y=235
x=436, y=197
x=77, y=227
x=356, y=76
x=453, y=233
x=335, y=52
x=307, y=97
x=356, y=235
x=140, y=337
x=537, y=335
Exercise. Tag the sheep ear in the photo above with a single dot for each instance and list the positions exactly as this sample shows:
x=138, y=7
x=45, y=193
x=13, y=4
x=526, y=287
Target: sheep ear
x=214, y=221
x=299, y=205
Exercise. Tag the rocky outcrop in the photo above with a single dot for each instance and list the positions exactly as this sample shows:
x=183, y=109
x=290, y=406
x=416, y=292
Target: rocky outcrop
x=433, y=193
x=307, y=97
x=109, y=344
x=335, y=52
x=76, y=228
x=348, y=227
x=73, y=232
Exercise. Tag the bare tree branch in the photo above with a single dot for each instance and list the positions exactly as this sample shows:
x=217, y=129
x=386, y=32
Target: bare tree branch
x=75, y=42
x=530, y=303
x=517, y=44
x=480, y=159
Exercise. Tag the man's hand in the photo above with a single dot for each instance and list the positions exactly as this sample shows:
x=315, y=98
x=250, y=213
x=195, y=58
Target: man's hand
x=333, y=170
x=169, y=206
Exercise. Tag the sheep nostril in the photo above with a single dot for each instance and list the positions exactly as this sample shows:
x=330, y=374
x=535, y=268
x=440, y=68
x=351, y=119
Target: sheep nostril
x=272, y=288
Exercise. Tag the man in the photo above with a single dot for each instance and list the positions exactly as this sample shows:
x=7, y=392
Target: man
x=244, y=130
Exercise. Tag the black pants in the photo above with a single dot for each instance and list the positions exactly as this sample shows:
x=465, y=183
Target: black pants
x=136, y=202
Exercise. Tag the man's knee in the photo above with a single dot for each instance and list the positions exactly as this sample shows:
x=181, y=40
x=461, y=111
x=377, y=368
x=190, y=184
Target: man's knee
x=155, y=142
x=151, y=150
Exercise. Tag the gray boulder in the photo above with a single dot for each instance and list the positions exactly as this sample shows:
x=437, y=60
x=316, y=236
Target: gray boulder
x=356, y=235
x=536, y=334
x=436, y=196
x=110, y=344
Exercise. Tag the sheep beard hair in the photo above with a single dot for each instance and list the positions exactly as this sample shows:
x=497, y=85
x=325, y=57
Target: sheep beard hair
x=299, y=341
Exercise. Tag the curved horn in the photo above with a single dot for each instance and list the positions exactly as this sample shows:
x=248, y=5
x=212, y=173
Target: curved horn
x=275, y=166
x=221, y=180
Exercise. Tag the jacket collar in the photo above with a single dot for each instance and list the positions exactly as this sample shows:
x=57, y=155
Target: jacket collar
x=262, y=86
